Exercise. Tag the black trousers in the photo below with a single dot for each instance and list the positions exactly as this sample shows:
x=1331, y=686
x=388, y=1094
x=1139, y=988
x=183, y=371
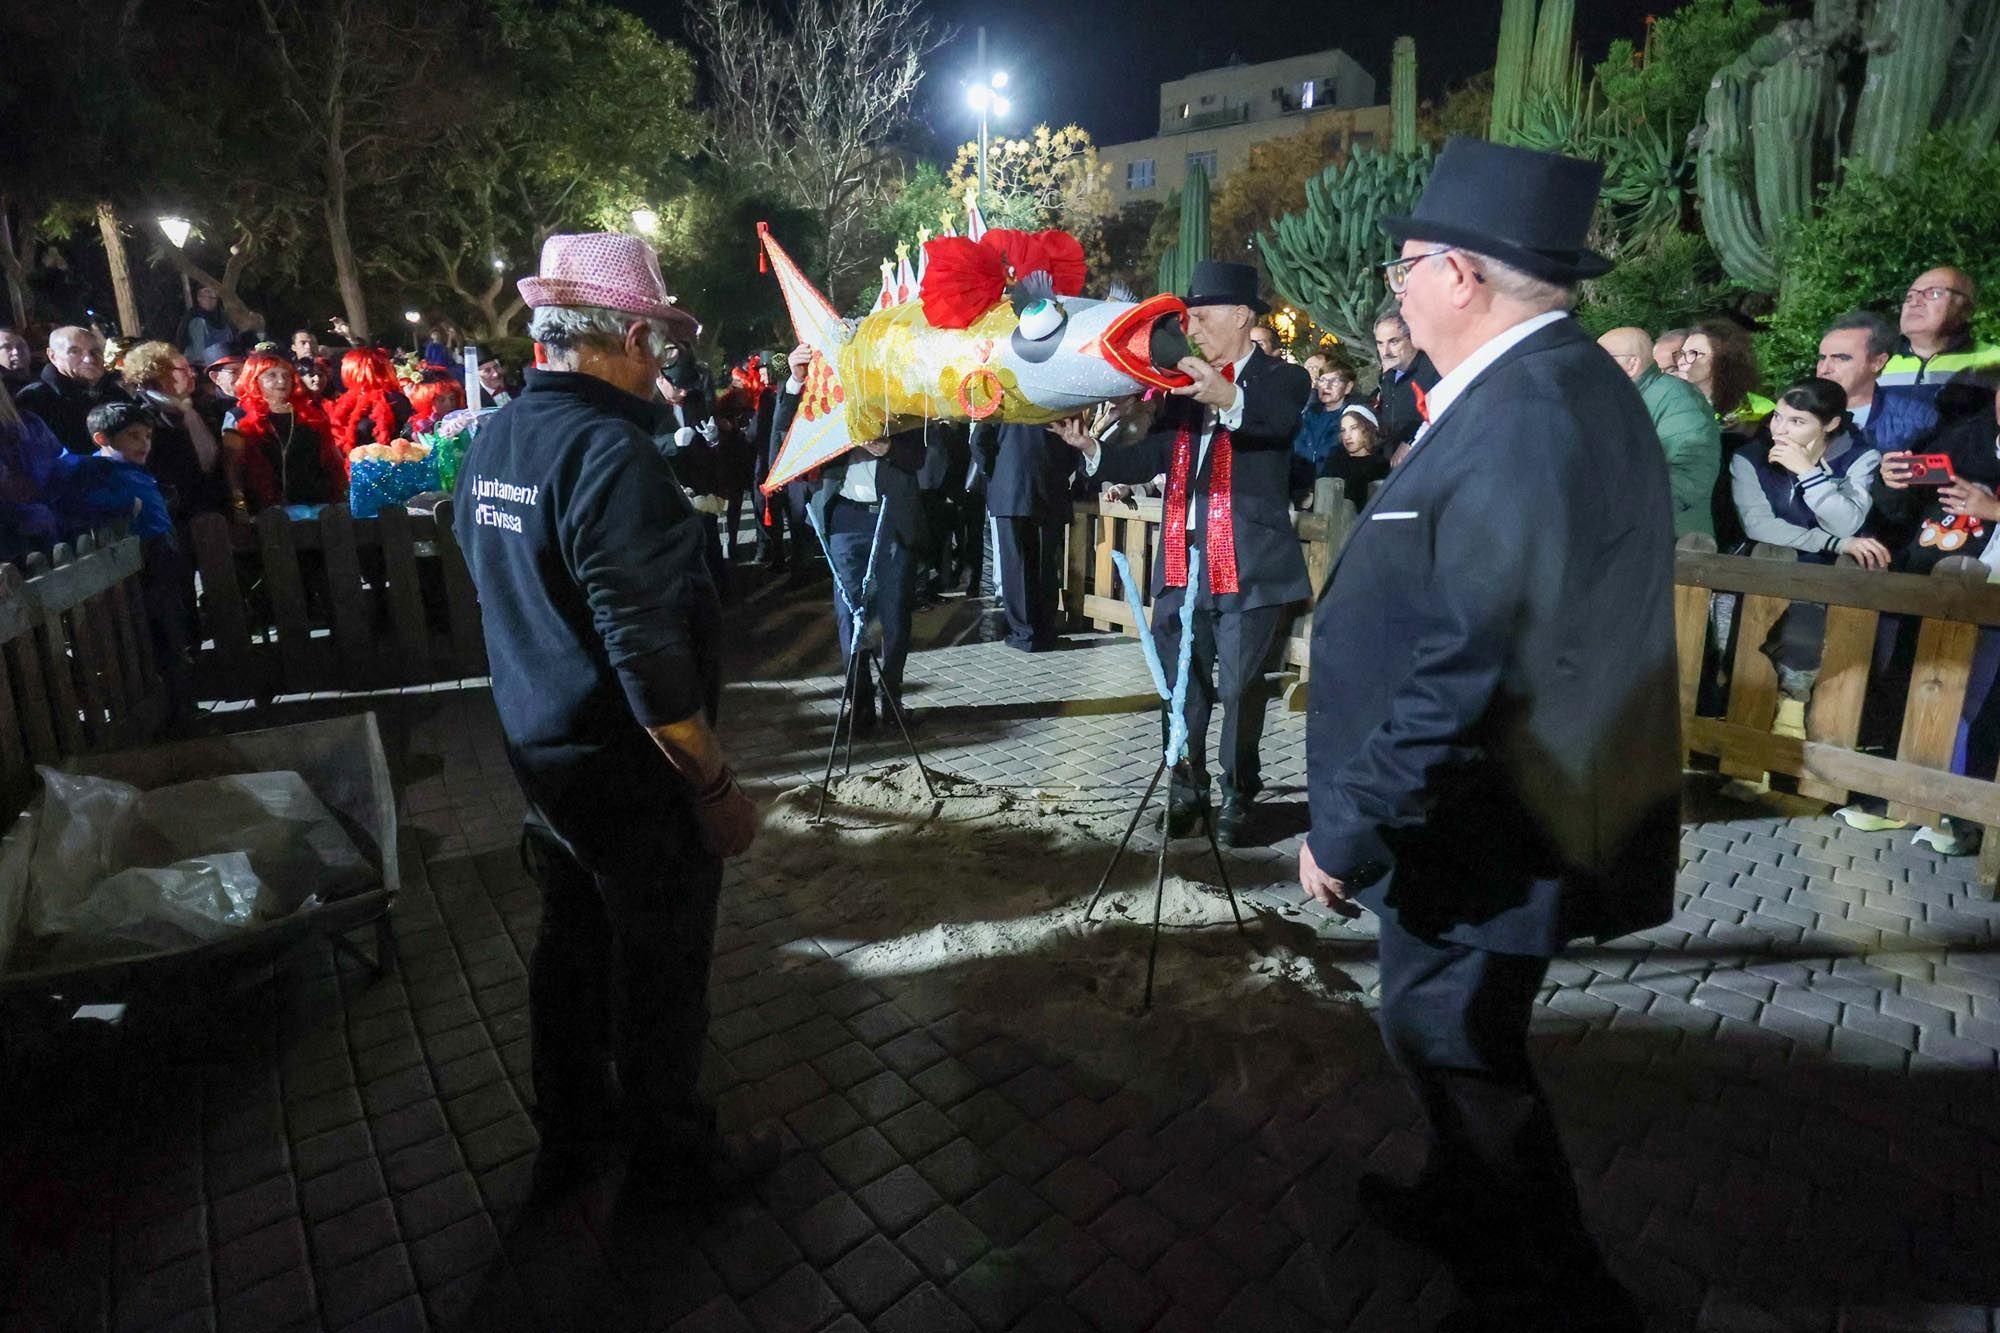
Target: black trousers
x=620, y=971
x=1030, y=555
x=1227, y=668
x=1455, y=1020
x=971, y=540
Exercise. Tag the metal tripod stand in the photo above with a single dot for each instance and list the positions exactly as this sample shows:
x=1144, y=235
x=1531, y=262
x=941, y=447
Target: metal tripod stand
x=1174, y=756
x=856, y=607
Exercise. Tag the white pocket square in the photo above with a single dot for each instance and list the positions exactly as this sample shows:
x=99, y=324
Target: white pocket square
x=1389, y=514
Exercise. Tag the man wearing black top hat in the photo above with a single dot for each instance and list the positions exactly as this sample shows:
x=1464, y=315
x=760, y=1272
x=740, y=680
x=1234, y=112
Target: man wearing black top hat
x=1493, y=738
x=1225, y=443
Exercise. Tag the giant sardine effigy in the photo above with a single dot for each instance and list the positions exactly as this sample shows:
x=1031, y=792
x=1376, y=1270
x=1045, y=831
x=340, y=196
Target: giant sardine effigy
x=998, y=331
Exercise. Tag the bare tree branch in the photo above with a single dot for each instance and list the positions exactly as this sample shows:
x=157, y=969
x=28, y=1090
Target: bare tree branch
x=814, y=107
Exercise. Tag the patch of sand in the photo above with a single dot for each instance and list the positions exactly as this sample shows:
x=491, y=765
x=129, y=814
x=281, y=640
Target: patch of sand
x=984, y=889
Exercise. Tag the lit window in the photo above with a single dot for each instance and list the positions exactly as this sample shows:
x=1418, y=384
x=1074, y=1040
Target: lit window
x=1307, y=97
x=1139, y=174
x=1185, y=108
x=1206, y=161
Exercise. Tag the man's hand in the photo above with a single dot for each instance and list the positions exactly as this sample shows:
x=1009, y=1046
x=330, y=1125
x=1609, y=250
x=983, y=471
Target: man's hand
x=798, y=359
x=1970, y=499
x=728, y=818
x=1321, y=887
x=873, y=448
x=1209, y=387
x=1867, y=552
x=1072, y=432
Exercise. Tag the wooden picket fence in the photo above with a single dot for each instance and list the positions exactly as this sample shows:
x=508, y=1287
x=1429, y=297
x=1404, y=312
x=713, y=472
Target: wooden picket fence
x=77, y=667
x=295, y=605
x=1093, y=599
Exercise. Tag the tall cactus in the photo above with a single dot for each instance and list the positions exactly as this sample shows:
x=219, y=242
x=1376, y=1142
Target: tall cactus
x=1510, y=65
x=1555, y=29
x=1771, y=132
x=1323, y=259
x=1170, y=276
x=1403, y=94
x=1194, y=244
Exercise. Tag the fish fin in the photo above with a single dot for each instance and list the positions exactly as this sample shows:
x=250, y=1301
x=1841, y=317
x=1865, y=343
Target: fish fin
x=1120, y=292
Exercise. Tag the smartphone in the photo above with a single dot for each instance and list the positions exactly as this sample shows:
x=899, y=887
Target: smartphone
x=1930, y=469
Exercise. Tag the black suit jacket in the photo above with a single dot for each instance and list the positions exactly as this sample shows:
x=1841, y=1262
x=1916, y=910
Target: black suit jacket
x=895, y=476
x=1494, y=724
x=1396, y=402
x=1270, y=568
x=1028, y=471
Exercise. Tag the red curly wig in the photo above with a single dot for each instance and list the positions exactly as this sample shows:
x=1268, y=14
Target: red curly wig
x=260, y=437
x=368, y=389
x=436, y=396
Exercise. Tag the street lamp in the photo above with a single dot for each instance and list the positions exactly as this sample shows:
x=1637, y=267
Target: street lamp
x=176, y=231
x=646, y=220
x=499, y=265
x=984, y=97
x=415, y=317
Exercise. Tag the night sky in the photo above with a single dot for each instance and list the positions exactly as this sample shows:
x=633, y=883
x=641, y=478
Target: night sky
x=1098, y=63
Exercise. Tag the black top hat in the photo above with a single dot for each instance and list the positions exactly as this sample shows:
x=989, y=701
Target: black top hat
x=1528, y=209
x=1217, y=282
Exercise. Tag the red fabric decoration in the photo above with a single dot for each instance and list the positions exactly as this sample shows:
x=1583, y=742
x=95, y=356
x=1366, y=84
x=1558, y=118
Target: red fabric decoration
x=1056, y=253
x=1221, y=525
x=1423, y=403
x=963, y=279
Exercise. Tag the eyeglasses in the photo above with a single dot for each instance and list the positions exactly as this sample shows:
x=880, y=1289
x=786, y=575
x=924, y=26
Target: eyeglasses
x=1932, y=294
x=1686, y=355
x=1396, y=272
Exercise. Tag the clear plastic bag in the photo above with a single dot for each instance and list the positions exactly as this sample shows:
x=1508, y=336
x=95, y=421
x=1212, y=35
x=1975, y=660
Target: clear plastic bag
x=120, y=869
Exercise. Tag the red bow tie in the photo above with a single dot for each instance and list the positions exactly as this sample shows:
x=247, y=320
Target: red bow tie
x=1229, y=372
x=1423, y=403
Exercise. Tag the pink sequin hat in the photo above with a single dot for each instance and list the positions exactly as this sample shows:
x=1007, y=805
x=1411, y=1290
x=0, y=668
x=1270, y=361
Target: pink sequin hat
x=608, y=269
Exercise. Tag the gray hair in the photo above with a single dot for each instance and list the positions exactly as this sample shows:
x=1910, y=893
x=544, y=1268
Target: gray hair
x=567, y=329
x=1882, y=335
x=1393, y=314
x=1517, y=285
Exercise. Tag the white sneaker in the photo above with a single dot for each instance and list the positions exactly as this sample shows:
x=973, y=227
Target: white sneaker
x=1944, y=841
x=1860, y=817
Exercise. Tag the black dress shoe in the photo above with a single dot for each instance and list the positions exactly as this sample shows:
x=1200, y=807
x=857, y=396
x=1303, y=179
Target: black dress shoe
x=1230, y=821
x=1182, y=819
x=724, y=1170
x=1414, y=1214
x=888, y=711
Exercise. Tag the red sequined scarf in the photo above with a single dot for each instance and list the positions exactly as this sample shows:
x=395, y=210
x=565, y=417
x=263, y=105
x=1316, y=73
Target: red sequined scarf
x=1220, y=527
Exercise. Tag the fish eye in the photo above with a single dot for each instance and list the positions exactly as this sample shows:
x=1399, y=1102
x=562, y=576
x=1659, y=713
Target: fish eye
x=1043, y=319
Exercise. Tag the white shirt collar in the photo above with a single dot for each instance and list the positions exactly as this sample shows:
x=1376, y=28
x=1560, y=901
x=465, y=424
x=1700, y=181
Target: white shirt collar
x=1440, y=396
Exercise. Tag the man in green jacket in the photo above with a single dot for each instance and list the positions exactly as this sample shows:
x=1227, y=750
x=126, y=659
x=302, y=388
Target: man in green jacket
x=1685, y=423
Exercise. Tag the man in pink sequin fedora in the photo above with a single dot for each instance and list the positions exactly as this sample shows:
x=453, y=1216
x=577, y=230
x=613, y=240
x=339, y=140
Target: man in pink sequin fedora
x=601, y=634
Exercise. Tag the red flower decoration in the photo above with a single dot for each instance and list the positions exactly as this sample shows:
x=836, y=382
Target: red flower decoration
x=964, y=279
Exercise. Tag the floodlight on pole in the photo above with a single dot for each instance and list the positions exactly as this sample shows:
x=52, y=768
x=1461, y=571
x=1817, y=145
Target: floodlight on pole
x=984, y=97
x=415, y=317
x=177, y=230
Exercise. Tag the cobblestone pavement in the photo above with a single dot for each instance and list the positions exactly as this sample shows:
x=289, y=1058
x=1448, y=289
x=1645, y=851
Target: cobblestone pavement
x=1781, y=1106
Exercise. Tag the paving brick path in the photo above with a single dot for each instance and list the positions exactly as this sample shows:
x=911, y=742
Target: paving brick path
x=1781, y=1106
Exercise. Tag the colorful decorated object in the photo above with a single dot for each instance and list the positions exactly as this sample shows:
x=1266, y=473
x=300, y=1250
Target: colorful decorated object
x=382, y=475
x=998, y=332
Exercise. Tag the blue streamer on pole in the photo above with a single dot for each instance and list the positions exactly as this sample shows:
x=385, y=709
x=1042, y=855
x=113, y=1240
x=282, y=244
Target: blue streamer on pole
x=1135, y=600
x=1177, y=732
